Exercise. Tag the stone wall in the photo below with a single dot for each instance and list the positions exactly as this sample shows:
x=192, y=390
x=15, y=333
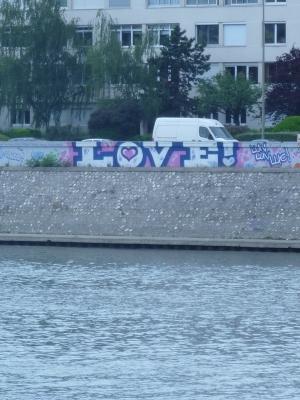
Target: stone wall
x=202, y=203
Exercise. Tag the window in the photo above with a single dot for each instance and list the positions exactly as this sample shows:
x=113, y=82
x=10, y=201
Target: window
x=270, y=72
x=249, y=72
x=275, y=33
x=84, y=35
x=234, y=34
x=201, y=2
x=20, y=117
x=204, y=133
x=161, y=3
x=129, y=35
x=119, y=3
x=275, y=1
x=85, y=5
x=238, y=2
x=243, y=117
x=208, y=34
x=160, y=33
x=231, y=119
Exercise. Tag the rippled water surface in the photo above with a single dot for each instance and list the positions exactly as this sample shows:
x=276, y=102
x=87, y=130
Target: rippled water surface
x=148, y=324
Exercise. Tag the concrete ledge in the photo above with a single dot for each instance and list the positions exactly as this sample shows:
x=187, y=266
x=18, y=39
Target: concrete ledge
x=156, y=242
x=183, y=170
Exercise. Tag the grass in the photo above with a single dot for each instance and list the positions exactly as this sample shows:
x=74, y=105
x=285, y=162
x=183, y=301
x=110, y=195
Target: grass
x=3, y=137
x=273, y=136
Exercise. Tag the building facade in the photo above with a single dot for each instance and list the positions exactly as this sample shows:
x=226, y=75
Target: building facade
x=238, y=34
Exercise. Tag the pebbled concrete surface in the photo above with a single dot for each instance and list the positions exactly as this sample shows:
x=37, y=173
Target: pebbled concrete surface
x=194, y=203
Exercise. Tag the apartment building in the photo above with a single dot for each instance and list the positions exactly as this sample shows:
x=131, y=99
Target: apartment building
x=231, y=29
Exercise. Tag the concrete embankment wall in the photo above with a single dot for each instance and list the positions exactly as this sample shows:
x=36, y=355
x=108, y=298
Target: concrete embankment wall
x=161, y=203
x=105, y=153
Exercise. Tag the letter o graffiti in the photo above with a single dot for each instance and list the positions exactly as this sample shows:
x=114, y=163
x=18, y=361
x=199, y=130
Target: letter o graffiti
x=129, y=155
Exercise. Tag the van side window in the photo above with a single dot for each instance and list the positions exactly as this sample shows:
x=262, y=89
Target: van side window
x=204, y=133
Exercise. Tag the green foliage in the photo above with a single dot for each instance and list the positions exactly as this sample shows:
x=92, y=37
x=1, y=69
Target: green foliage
x=289, y=124
x=179, y=65
x=123, y=73
x=65, y=133
x=110, y=64
x=139, y=74
x=225, y=93
x=33, y=162
x=50, y=160
x=283, y=95
x=37, y=68
x=278, y=137
x=116, y=119
x=105, y=57
x=3, y=137
x=23, y=133
x=237, y=129
x=142, y=138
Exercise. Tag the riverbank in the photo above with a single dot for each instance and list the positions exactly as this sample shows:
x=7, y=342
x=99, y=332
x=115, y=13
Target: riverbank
x=196, y=208
x=150, y=242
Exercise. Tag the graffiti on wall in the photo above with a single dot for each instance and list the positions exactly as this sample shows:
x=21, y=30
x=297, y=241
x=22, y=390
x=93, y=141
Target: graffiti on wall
x=268, y=154
x=149, y=154
x=12, y=155
x=105, y=153
x=272, y=156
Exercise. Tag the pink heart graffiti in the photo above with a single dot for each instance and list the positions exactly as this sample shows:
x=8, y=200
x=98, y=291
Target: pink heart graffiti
x=129, y=152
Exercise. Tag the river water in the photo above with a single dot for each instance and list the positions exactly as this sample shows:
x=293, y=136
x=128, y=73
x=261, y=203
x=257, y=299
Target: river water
x=148, y=324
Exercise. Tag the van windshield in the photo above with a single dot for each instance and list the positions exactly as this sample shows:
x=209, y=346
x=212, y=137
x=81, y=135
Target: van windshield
x=221, y=132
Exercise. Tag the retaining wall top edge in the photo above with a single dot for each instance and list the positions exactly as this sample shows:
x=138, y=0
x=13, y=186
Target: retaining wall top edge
x=124, y=143
x=266, y=170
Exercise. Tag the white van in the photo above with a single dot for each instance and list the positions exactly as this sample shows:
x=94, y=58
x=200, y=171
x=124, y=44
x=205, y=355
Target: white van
x=190, y=130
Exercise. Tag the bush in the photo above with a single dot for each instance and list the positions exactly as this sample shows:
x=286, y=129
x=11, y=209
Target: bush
x=65, y=133
x=116, y=120
x=236, y=130
x=3, y=137
x=143, y=138
x=289, y=124
x=278, y=137
x=50, y=160
x=23, y=132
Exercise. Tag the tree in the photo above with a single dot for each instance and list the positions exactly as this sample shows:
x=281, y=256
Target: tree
x=40, y=66
x=227, y=94
x=105, y=57
x=159, y=83
x=179, y=65
x=123, y=74
x=116, y=71
x=116, y=119
x=283, y=94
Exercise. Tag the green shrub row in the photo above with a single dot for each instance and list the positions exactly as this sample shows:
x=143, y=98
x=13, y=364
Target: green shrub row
x=289, y=124
x=3, y=137
x=274, y=136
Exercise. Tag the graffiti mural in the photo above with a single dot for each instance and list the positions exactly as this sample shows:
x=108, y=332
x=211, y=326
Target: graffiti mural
x=155, y=154
x=105, y=153
x=268, y=154
x=19, y=155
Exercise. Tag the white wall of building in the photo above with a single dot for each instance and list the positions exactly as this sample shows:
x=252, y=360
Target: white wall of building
x=240, y=25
